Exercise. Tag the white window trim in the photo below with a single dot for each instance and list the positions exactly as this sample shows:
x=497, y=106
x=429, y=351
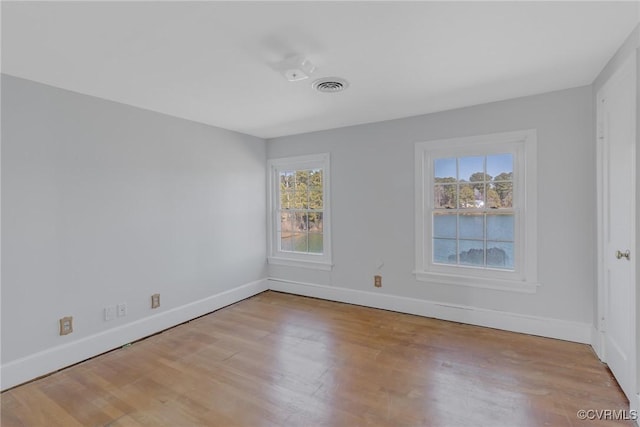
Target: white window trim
x=523, y=144
x=275, y=256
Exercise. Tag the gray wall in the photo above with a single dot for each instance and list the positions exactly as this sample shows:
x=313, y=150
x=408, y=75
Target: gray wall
x=373, y=202
x=104, y=203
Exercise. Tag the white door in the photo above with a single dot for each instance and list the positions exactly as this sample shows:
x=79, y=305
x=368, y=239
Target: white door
x=616, y=113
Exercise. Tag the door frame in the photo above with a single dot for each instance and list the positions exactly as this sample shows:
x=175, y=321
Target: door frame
x=629, y=65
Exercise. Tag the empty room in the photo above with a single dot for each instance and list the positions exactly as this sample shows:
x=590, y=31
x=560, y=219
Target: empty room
x=309, y=213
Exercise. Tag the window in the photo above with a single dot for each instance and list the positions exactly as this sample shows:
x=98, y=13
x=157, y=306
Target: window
x=476, y=211
x=299, y=221
x=472, y=212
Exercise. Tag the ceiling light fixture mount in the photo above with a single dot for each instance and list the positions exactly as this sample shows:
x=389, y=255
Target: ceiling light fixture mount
x=295, y=68
x=330, y=84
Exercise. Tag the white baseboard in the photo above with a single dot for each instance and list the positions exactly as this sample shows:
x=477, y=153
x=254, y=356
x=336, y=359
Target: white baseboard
x=546, y=327
x=597, y=343
x=50, y=360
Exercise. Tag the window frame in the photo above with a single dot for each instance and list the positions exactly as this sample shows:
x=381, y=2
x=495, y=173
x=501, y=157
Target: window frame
x=523, y=146
x=276, y=256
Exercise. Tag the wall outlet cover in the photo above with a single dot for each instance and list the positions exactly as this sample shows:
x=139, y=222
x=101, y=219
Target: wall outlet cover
x=66, y=325
x=110, y=313
x=377, y=281
x=122, y=309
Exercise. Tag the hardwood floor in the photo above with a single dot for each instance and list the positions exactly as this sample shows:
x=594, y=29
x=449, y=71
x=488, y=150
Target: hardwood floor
x=284, y=360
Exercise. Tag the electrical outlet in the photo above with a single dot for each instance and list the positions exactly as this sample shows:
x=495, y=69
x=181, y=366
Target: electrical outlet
x=122, y=309
x=155, y=300
x=110, y=313
x=66, y=325
x=377, y=281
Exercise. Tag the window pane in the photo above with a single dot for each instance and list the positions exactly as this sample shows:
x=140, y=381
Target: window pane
x=499, y=164
x=467, y=197
x=286, y=231
x=471, y=226
x=300, y=222
x=315, y=179
x=472, y=252
x=300, y=200
x=478, y=194
x=286, y=222
x=493, y=198
x=445, y=169
x=315, y=243
x=444, y=251
x=297, y=197
x=471, y=168
x=286, y=200
x=300, y=242
x=473, y=236
x=444, y=225
x=445, y=196
x=286, y=180
x=286, y=242
x=315, y=222
x=500, y=255
x=500, y=227
x=315, y=199
x=302, y=178
x=504, y=192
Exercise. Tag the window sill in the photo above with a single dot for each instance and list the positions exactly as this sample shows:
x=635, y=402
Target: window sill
x=478, y=282
x=289, y=262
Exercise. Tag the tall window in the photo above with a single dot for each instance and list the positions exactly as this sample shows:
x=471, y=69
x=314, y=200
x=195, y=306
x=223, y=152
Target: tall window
x=299, y=215
x=475, y=211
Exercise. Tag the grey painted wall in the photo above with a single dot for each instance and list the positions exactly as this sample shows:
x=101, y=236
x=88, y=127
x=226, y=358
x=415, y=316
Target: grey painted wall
x=105, y=203
x=373, y=202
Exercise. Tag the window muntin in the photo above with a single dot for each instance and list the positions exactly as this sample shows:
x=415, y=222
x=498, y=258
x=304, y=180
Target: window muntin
x=473, y=216
x=299, y=220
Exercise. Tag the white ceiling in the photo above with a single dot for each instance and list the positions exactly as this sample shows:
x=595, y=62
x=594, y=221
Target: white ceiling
x=211, y=61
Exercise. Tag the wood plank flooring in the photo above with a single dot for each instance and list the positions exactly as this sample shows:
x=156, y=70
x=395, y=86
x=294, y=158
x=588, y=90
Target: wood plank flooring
x=284, y=360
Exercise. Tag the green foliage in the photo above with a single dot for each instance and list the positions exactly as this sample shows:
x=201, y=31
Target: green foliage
x=448, y=192
x=467, y=196
x=479, y=178
x=493, y=199
x=445, y=195
x=301, y=189
x=503, y=185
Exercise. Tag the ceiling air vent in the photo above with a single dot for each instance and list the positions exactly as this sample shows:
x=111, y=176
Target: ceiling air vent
x=330, y=84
